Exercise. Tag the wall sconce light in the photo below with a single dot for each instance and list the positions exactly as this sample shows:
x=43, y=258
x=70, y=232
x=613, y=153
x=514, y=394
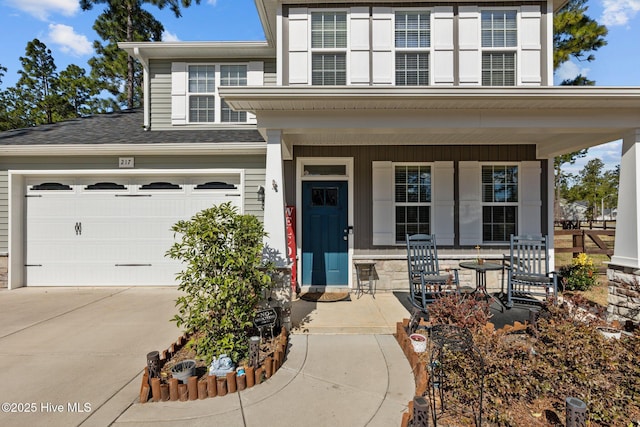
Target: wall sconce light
x=261, y=195
x=274, y=184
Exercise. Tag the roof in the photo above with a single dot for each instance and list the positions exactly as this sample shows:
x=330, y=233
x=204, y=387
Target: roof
x=119, y=130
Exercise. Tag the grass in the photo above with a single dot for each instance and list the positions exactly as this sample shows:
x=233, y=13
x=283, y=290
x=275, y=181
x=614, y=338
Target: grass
x=599, y=293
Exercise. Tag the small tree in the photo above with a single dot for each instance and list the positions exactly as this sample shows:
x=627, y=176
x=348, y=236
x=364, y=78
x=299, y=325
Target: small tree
x=224, y=279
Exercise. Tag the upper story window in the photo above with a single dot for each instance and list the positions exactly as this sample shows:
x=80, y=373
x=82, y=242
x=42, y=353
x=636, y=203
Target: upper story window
x=412, y=43
x=204, y=104
x=412, y=199
x=499, y=45
x=499, y=202
x=329, y=48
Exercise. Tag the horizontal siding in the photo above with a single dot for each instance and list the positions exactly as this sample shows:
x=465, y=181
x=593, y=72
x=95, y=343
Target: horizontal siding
x=4, y=211
x=254, y=167
x=160, y=79
x=363, y=156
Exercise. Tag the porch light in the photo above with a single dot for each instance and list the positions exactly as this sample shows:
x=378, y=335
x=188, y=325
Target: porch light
x=261, y=195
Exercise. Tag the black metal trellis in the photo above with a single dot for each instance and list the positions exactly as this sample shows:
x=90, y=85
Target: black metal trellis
x=451, y=338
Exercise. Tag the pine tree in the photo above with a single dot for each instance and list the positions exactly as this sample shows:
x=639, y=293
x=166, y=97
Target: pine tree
x=125, y=20
x=78, y=89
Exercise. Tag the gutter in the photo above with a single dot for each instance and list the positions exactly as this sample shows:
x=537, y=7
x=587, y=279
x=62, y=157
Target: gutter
x=147, y=88
x=228, y=148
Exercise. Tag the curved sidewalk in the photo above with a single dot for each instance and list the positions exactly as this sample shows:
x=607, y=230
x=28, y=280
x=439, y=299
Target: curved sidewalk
x=343, y=368
x=327, y=380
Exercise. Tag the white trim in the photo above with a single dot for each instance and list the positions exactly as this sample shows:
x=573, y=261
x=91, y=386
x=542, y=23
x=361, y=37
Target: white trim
x=137, y=149
x=348, y=177
x=17, y=180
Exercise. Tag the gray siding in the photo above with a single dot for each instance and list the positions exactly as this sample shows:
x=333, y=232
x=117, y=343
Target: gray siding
x=363, y=156
x=160, y=93
x=253, y=165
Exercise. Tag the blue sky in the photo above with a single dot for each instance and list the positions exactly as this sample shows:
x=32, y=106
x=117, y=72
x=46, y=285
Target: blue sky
x=66, y=30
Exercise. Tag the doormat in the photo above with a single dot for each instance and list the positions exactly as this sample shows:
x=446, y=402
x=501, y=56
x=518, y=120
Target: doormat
x=324, y=296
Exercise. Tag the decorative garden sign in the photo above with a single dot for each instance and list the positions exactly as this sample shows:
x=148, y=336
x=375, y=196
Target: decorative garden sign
x=267, y=317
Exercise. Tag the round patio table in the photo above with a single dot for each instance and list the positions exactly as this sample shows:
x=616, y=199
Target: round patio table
x=481, y=276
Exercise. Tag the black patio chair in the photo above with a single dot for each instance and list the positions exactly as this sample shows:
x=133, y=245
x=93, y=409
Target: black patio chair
x=426, y=281
x=529, y=279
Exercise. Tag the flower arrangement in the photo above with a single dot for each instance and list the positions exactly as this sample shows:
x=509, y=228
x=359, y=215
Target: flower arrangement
x=580, y=275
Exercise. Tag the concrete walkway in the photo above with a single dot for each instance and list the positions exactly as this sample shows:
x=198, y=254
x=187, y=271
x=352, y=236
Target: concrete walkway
x=75, y=356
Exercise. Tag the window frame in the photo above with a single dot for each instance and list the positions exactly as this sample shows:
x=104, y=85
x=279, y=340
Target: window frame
x=517, y=204
x=321, y=51
x=217, y=98
x=430, y=204
x=512, y=50
x=413, y=50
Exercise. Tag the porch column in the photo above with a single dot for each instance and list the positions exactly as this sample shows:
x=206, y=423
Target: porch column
x=274, y=214
x=627, y=246
x=551, y=203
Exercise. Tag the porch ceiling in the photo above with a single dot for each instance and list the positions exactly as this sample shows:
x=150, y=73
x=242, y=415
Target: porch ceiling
x=555, y=119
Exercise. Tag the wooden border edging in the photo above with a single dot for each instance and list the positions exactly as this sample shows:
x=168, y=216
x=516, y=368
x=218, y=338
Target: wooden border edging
x=211, y=386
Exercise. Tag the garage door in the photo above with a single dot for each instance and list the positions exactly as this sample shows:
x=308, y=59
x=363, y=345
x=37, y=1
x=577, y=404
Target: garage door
x=102, y=232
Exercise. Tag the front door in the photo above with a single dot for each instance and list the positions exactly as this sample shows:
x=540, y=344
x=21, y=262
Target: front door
x=325, y=260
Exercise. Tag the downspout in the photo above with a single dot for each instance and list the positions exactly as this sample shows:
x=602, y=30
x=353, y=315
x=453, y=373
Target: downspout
x=147, y=88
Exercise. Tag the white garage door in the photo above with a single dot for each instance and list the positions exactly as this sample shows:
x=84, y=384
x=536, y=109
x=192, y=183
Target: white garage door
x=102, y=231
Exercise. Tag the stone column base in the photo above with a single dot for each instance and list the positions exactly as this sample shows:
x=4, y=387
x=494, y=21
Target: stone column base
x=624, y=294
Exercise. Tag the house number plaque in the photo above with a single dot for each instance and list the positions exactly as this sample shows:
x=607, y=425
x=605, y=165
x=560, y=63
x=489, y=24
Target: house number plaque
x=125, y=162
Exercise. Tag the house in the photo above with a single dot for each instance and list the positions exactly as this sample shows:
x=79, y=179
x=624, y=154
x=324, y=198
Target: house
x=372, y=119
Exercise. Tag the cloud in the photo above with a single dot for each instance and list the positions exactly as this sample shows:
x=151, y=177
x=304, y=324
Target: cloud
x=41, y=9
x=169, y=37
x=69, y=41
x=610, y=154
x=619, y=12
x=570, y=70
x=212, y=2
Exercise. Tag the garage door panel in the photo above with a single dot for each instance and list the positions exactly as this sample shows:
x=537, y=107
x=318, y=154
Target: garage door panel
x=122, y=237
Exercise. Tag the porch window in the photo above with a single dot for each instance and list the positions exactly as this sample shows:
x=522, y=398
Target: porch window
x=499, y=45
x=412, y=200
x=412, y=43
x=329, y=48
x=499, y=202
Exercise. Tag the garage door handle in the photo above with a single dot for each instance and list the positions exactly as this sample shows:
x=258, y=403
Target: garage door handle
x=33, y=265
x=133, y=265
x=133, y=195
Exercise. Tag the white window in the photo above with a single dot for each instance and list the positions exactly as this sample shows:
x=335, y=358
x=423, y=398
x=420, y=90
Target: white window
x=204, y=103
x=412, y=200
x=412, y=43
x=499, y=44
x=329, y=48
x=499, y=202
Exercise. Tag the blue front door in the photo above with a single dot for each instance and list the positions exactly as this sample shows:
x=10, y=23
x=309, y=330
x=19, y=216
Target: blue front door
x=325, y=260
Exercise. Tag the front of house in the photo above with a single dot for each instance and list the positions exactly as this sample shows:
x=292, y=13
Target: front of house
x=372, y=120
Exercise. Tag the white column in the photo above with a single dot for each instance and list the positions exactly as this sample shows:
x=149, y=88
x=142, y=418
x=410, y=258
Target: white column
x=627, y=246
x=274, y=214
x=551, y=202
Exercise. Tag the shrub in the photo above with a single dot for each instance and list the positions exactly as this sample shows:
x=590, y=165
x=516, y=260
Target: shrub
x=581, y=275
x=223, y=279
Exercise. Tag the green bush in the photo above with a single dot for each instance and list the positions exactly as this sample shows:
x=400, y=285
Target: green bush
x=224, y=279
x=581, y=275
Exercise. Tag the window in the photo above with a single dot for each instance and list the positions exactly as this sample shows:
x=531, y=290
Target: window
x=499, y=202
x=499, y=44
x=202, y=82
x=205, y=105
x=232, y=75
x=329, y=45
x=412, y=41
x=412, y=200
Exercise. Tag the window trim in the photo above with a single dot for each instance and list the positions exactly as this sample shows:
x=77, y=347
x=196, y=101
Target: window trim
x=517, y=204
x=321, y=50
x=427, y=50
x=430, y=204
x=217, y=98
x=516, y=50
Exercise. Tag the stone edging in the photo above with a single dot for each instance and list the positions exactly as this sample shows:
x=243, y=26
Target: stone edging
x=152, y=389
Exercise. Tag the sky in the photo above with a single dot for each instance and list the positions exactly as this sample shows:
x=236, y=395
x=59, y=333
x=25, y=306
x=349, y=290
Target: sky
x=66, y=30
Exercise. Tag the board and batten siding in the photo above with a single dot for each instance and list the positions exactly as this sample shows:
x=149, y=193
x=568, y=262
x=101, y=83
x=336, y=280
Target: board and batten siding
x=447, y=161
x=253, y=165
x=160, y=82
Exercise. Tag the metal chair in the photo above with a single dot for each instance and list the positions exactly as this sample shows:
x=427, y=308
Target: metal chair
x=426, y=281
x=529, y=279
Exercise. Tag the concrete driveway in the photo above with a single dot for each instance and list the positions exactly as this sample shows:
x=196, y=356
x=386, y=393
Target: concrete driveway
x=73, y=356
